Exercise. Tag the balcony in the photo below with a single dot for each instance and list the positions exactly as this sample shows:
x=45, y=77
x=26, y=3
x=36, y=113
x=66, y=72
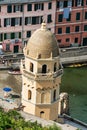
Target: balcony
x=48, y=76
x=43, y=76
x=40, y=76
x=58, y=73
x=27, y=74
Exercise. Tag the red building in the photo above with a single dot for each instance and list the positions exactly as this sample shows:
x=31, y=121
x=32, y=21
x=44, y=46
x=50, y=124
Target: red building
x=71, y=22
x=14, y=46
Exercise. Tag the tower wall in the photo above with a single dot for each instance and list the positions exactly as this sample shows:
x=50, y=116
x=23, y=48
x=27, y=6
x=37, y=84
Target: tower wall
x=41, y=75
x=50, y=111
x=29, y=107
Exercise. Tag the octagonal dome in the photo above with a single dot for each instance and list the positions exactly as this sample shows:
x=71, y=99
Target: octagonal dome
x=42, y=44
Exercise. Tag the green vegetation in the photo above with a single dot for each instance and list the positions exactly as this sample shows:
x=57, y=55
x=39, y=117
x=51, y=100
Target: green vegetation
x=12, y=120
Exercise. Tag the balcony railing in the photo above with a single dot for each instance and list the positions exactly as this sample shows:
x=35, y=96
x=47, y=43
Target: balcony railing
x=46, y=76
x=58, y=73
x=29, y=74
x=43, y=76
x=40, y=76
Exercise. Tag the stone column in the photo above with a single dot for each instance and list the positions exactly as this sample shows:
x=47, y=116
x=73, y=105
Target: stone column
x=59, y=109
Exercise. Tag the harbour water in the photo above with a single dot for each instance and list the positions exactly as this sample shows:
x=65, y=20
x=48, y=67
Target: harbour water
x=74, y=82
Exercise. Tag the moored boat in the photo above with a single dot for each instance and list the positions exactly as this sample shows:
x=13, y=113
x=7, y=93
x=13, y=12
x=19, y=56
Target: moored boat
x=77, y=65
x=14, y=72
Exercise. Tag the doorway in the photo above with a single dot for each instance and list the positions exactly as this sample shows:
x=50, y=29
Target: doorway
x=16, y=49
x=42, y=114
x=85, y=41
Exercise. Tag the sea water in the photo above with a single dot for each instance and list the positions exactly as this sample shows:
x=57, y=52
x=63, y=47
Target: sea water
x=74, y=82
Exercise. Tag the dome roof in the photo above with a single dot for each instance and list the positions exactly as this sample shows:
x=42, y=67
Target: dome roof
x=42, y=44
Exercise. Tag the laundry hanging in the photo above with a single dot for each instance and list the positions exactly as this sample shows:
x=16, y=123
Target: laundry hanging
x=66, y=13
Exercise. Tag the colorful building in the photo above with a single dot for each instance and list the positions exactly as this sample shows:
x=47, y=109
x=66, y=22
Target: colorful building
x=71, y=22
x=13, y=46
x=19, y=19
x=66, y=18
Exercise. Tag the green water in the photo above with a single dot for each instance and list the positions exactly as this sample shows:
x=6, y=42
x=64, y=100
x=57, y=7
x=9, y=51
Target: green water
x=74, y=81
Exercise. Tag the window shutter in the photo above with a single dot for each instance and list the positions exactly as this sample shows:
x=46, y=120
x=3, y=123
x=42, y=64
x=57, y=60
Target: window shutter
x=26, y=20
x=4, y=22
x=21, y=8
x=13, y=22
x=9, y=8
x=42, y=8
x=14, y=8
x=19, y=34
x=36, y=7
x=20, y=21
x=57, y=4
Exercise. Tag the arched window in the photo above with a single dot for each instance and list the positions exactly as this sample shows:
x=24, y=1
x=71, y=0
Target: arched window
x=55, y=67
x=29, y=94
x=54, y=95
x=44, y=68
x=31, y=67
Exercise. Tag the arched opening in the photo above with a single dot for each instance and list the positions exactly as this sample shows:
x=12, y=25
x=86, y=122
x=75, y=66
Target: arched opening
x=42, y=114
x=29, y=94
x=44, y=68
x=54, y=95
x=55, y=67
x=31, y=67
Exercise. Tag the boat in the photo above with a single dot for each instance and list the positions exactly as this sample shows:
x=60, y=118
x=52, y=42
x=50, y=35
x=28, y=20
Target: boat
x=77, y=65
x=14, y=72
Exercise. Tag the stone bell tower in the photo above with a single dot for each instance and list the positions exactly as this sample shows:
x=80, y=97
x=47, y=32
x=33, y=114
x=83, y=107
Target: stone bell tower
x=41, y=75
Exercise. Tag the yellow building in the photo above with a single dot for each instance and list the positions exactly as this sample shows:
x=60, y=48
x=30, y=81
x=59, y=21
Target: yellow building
x=41, y=75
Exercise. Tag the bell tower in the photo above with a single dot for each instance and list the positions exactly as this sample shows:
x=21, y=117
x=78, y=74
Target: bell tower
x=41, y=75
